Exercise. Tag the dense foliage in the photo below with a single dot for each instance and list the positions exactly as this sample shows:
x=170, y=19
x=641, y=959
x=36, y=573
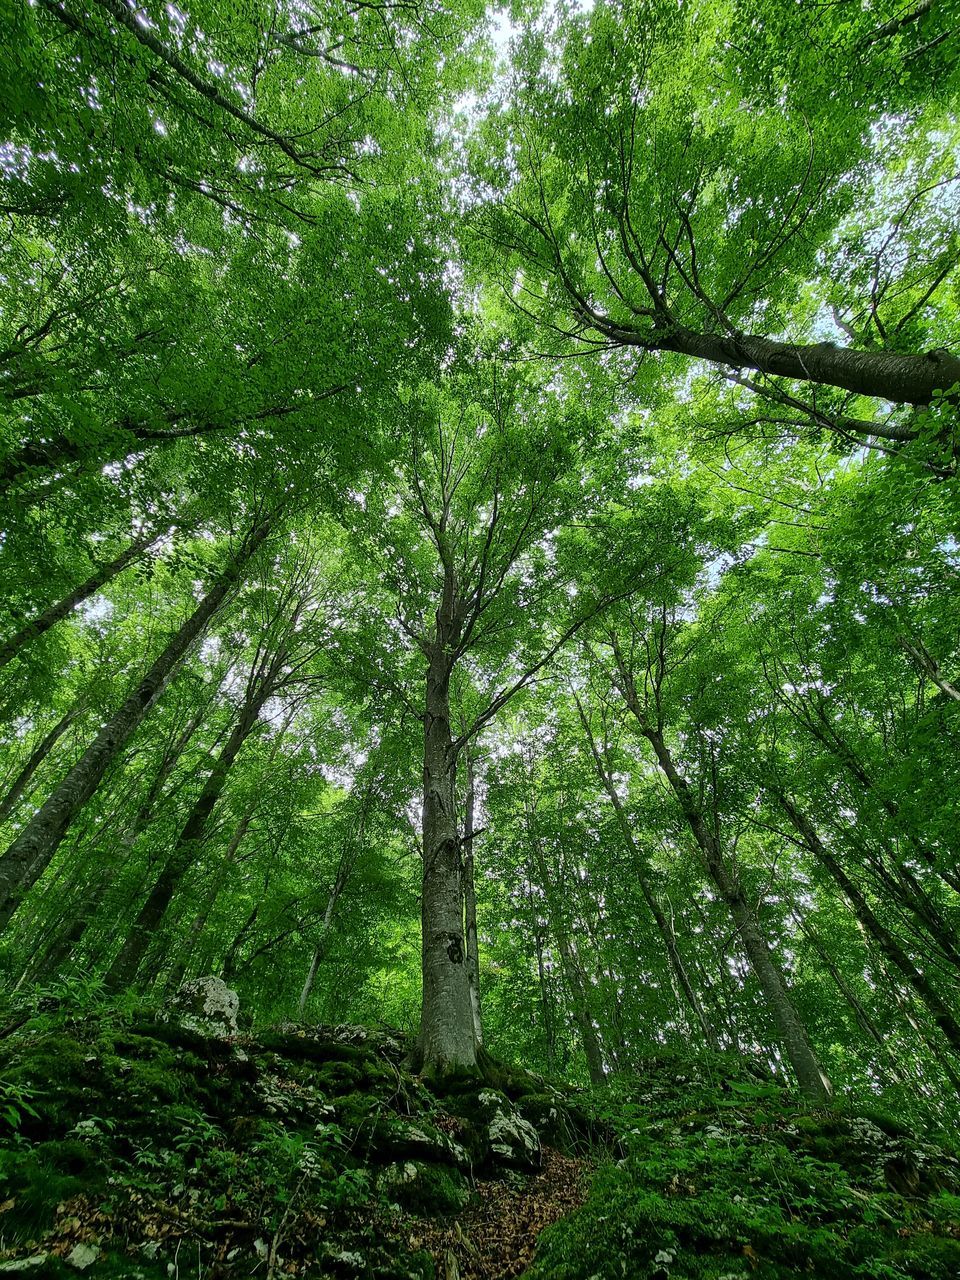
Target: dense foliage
x=479, y=536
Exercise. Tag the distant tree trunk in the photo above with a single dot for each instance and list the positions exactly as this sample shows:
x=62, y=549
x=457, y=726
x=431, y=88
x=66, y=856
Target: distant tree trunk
x=859, y=1010
x=188, y=946
x=903, y=887
x=546, y=1001
x=54, y=613
x=574, y=978
x=811, y=1077
x=33, y=763
x=230, y=960
x=470, y=899
x=29, y=855
x=314, y=966
x=642, y=872
x=580, y=1008
x=888, y=945
x=815, y=719
x=447, y=1041
x=147, y=924
x=931, y=1042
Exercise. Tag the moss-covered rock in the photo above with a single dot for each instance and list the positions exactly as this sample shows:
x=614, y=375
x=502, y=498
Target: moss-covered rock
x=424, y=1188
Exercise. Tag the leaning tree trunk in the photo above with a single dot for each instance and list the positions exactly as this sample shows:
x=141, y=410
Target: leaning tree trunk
x=447, y=1043
x=29, y=855
x=888, y=945
x=884, y=375
x=150, y=917
x=793, y=1037
x=33, y=763
x=44, y=620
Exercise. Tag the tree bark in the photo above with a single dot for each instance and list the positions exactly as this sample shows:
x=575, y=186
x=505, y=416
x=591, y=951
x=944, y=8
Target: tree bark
x=54, y=613
x=470, y=900
x=33, y=763
x=888, y=945
x=811, y=1077
x=447, y=1043
x=29, y=855
x=884, y=375
x=150, y=917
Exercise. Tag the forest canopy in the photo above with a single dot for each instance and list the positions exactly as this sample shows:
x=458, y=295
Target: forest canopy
x=480, y=520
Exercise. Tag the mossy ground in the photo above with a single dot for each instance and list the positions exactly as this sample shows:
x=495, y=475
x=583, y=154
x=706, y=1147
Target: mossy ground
x=720, y=1175
x=296, y=1152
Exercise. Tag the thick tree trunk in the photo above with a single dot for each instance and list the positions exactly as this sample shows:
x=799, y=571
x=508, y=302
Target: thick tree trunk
x=796, y=1045
x=447, y=1042
x=43, y=621
x=888, y=945
x=33, y=763
x=884, y=375
x=29, y=855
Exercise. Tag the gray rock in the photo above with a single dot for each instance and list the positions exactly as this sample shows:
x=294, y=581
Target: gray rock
x=513, y=1140
x=206, y=1005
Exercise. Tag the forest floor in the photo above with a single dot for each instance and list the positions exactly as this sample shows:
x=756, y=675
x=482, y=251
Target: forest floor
x=136, y=1147
x=495, y=1236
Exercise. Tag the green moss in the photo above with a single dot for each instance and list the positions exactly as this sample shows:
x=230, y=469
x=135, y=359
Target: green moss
x=300, y=1045
x=337, y=1078
x=744, y=1182
x=424, y=1189
x=37, y=1179
x=561, y=1124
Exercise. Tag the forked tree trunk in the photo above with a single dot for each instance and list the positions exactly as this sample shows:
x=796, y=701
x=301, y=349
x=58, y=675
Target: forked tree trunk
x=29, y=855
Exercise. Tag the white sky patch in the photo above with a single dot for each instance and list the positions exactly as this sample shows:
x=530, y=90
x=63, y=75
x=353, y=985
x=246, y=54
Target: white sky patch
x=96, y=611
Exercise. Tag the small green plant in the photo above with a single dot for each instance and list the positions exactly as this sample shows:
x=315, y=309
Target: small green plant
x=15, y=1104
